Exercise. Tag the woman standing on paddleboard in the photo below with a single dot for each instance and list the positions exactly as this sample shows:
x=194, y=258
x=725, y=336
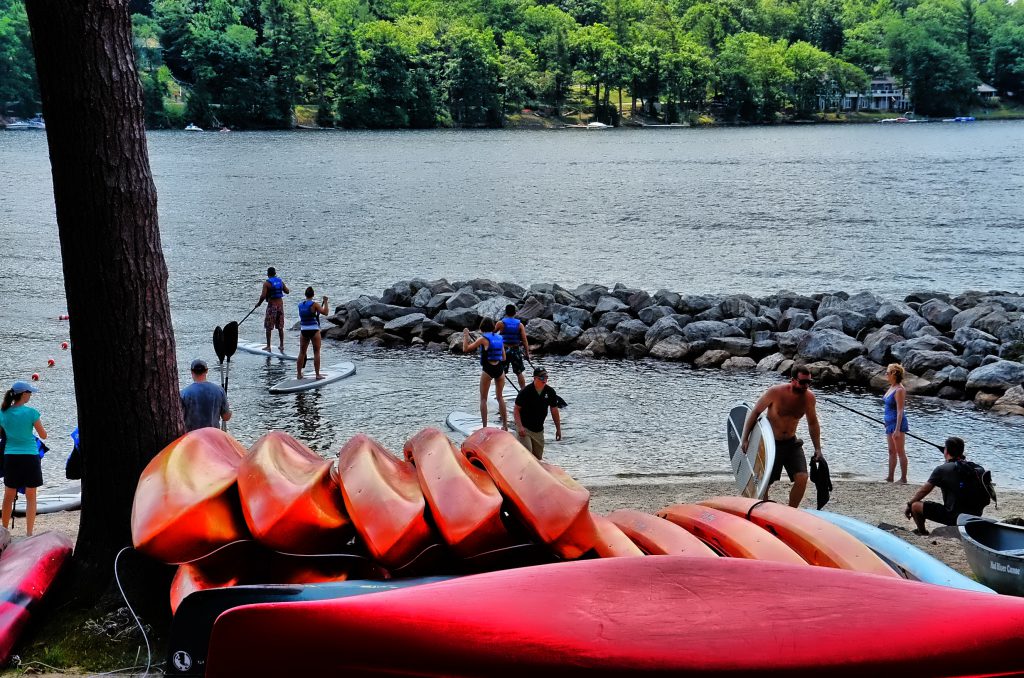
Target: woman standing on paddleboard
x=21, y=455
x=309, y=326
x=492, y=359
x=896, y=426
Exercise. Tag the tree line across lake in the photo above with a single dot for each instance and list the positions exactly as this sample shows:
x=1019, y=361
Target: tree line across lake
x=431, y=63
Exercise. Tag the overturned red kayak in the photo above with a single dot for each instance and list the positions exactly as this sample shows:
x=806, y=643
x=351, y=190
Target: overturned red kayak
x=730, y=535
x=186, y=503
x=611, y=541
x=384, y=501
x=817, y=541
x=658, y=537
x=616, y=616
x=552, y=506
x=289, y=499
x=463, y=500
x=27, y=569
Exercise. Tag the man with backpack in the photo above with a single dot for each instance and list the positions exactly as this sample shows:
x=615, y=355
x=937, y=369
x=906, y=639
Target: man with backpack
x=965, y=489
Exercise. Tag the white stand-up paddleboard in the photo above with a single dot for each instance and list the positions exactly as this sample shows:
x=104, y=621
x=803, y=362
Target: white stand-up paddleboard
x=467, y=424
x=51, y=503
x=309, y=381
x=258, y=349
x=753, y=469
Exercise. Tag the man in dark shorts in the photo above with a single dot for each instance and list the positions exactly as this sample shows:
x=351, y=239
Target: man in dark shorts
x=955, y=500
x=786, y=405
x=532, y=405
x=513, y=333
x=204, y=404
x=273, y=293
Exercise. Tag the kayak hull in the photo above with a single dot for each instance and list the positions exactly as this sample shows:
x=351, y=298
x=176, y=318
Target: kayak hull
x=611, y=541
x=658, y=537
x=730, y=535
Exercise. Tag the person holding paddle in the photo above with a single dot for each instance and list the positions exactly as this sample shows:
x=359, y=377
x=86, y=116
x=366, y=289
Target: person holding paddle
x=309, y=326
x=896, y=426
x=513, y=333
x=786, y=405
x=492, y=360
x=273, y=293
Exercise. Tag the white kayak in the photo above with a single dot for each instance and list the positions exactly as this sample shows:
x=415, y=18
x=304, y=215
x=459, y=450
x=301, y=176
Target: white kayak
x=258, y=349
x=308, y=382
x=51, y=503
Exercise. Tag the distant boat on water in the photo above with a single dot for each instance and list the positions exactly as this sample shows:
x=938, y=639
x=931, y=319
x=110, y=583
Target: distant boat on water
x=35, y=123
x=192, y=127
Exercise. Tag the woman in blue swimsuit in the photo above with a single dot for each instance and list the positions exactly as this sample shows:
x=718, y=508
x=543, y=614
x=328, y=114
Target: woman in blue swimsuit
x=896, y=426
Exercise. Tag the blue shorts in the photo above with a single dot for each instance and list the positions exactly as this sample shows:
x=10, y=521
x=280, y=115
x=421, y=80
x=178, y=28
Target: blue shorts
x=890, y=426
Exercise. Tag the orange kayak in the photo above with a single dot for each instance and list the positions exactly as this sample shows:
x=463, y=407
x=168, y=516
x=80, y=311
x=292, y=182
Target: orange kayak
x=817, y=541
x=552, y=506
x=289, y=499
x=611, y=541
x=384, y=501
x=658, y=537
x=186, y=503
x=729, y=534
x=463, y=500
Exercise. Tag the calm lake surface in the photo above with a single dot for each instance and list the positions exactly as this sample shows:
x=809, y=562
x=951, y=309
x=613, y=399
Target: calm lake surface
x=890, y=209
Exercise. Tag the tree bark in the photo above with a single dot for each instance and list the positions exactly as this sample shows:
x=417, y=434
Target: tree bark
x=115, y=277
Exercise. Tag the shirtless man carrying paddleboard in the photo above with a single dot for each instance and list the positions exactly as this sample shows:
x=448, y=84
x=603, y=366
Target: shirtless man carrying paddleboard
x=787, y=404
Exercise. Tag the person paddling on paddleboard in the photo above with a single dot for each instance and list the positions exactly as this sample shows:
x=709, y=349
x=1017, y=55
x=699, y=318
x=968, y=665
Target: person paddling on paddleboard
x=204, y=403
x=786, y=405
x=273, y=293
x=21, y=424
x=309, y=326
x=492, y=359
x=513, y=334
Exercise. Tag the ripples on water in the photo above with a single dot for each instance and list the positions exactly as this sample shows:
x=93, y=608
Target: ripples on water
x=889, y=209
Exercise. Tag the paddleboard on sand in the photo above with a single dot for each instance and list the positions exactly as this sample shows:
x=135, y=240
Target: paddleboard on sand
x=259, y=349
x=51, y=503
x=330, y=375
x=753, y=469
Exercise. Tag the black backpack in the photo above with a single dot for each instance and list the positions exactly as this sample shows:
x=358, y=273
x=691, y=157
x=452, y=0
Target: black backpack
x=975, y=490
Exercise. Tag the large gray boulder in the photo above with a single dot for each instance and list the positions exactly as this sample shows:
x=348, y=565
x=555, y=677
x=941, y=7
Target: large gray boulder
x=703, y=330
x=635, y=330
x=612, y=319
x=608, y=304
x=786, y=299
x=589, y=294
x=854, y=322
x=638, y=300
x=565, y=339
x=670, y=348
x=829, y=322
x=665, y=297
x=965, y=335
x=993, y=323
x=405, y=324
x=399, y=294
x=735, y=346
x=878, y=344
x=980, y=347
x=711, y=359
x=789, y=341
x=893, y=312
x=1011, y=402
x=664, y=327
x=542, y=331
x=796, y=319
x=899, y=350
x=590, y=335
x=512, y=290
x=652, y=314
x=763, y=347
x=439, y=286
x=692, y=304
x=739, y=363
x=713, y=313
x=972, y=315
x=738, y=306
x=386, y=312
x=485, y=285
x=912, y=325
x=569, y=315
x=939, y=313
x=534, y=307
x=462, y=298
x=830, y=346
x=864, y=303
x=951, y=375
x=996, y=377
x=616, y=345
x=493, y=308
x=457, y=319
x=770, y=363
x=1013, y=332
x=437, y=302
x=919, y=362
x=422, y=297
x=862, y=370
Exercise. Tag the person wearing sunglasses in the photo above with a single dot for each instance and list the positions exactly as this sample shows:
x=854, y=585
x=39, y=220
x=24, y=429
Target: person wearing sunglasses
x=532, y=405
x=786, y=405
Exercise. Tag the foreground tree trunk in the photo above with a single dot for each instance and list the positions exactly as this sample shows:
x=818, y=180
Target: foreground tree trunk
x=115, y=277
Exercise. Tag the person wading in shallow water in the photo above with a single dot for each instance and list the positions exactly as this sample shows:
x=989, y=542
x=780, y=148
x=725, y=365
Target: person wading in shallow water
x=309, y=326
x=513, y=333
x=273, y=293
x=492, y=359
x=786, y=405
x=532, y=405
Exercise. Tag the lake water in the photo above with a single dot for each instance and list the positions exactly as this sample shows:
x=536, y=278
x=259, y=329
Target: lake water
x=890, y=209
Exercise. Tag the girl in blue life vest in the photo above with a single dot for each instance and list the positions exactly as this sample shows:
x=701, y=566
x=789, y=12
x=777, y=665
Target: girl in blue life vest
x=492, y=359
x=21, y=456
x=309, y=325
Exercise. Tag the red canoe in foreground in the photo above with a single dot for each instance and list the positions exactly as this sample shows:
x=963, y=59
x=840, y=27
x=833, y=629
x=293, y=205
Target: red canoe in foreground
x=666, y=614
x=27, y=569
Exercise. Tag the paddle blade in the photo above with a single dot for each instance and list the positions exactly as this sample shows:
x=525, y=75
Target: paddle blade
x=218, y=342
x=230, y=339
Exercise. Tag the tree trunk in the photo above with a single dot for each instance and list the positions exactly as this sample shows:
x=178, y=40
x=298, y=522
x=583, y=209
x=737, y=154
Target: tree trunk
x=126, y=382
x=597, y=99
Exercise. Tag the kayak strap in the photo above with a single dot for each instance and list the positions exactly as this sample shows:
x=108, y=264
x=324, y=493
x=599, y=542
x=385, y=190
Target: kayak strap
x=756, y=504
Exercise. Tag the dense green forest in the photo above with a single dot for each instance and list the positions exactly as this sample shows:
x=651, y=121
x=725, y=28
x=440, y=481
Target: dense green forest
x=430, y=63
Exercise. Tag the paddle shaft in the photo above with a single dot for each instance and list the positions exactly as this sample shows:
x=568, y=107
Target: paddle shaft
x=248, y=314
x=828, y=400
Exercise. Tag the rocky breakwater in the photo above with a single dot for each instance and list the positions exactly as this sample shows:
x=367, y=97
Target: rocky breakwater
x=968, y=346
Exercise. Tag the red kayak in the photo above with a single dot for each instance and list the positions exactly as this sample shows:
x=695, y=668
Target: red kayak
x=27, y=568
x=186, y=503
x=611, y=541
x=730, y=535
x=463, y=500
x=549, y=503
x=657, y=536
x=384, y=501
x=290, y=501
x=616, y=616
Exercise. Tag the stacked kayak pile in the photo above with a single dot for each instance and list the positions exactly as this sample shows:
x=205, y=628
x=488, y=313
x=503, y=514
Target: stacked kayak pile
x=740, y=586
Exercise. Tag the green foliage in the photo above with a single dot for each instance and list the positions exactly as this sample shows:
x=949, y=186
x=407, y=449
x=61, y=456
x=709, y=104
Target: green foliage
x=753, y=77
x=19, y=92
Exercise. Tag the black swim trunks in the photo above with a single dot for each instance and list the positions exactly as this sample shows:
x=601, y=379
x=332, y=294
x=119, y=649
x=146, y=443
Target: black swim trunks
x=309, y=334
x=22, y=470
x=789, y=454
x=937, y=513
x=493, y=370
x=514, y=356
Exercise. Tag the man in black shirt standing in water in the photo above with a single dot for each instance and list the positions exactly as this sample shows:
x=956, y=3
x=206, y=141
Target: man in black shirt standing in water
x=531, y=410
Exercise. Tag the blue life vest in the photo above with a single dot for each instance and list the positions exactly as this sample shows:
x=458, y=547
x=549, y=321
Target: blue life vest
x=493, y=351
x=276, y=288
x=510, y=331
x=308, y=318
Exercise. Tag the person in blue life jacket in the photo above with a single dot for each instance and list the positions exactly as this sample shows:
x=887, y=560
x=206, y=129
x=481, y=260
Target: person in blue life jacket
x=513, y=333
x=273, y=293
x=21, y=425
x=492, y=359
x=309, y=327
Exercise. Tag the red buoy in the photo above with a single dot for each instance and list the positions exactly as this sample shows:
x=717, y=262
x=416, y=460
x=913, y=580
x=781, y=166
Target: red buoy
x=35, y=376
x=51, y=362
x=63, y=317
x=63, y=345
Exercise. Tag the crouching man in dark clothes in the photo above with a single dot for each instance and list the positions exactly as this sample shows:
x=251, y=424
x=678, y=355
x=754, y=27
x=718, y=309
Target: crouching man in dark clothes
x=962, y=490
